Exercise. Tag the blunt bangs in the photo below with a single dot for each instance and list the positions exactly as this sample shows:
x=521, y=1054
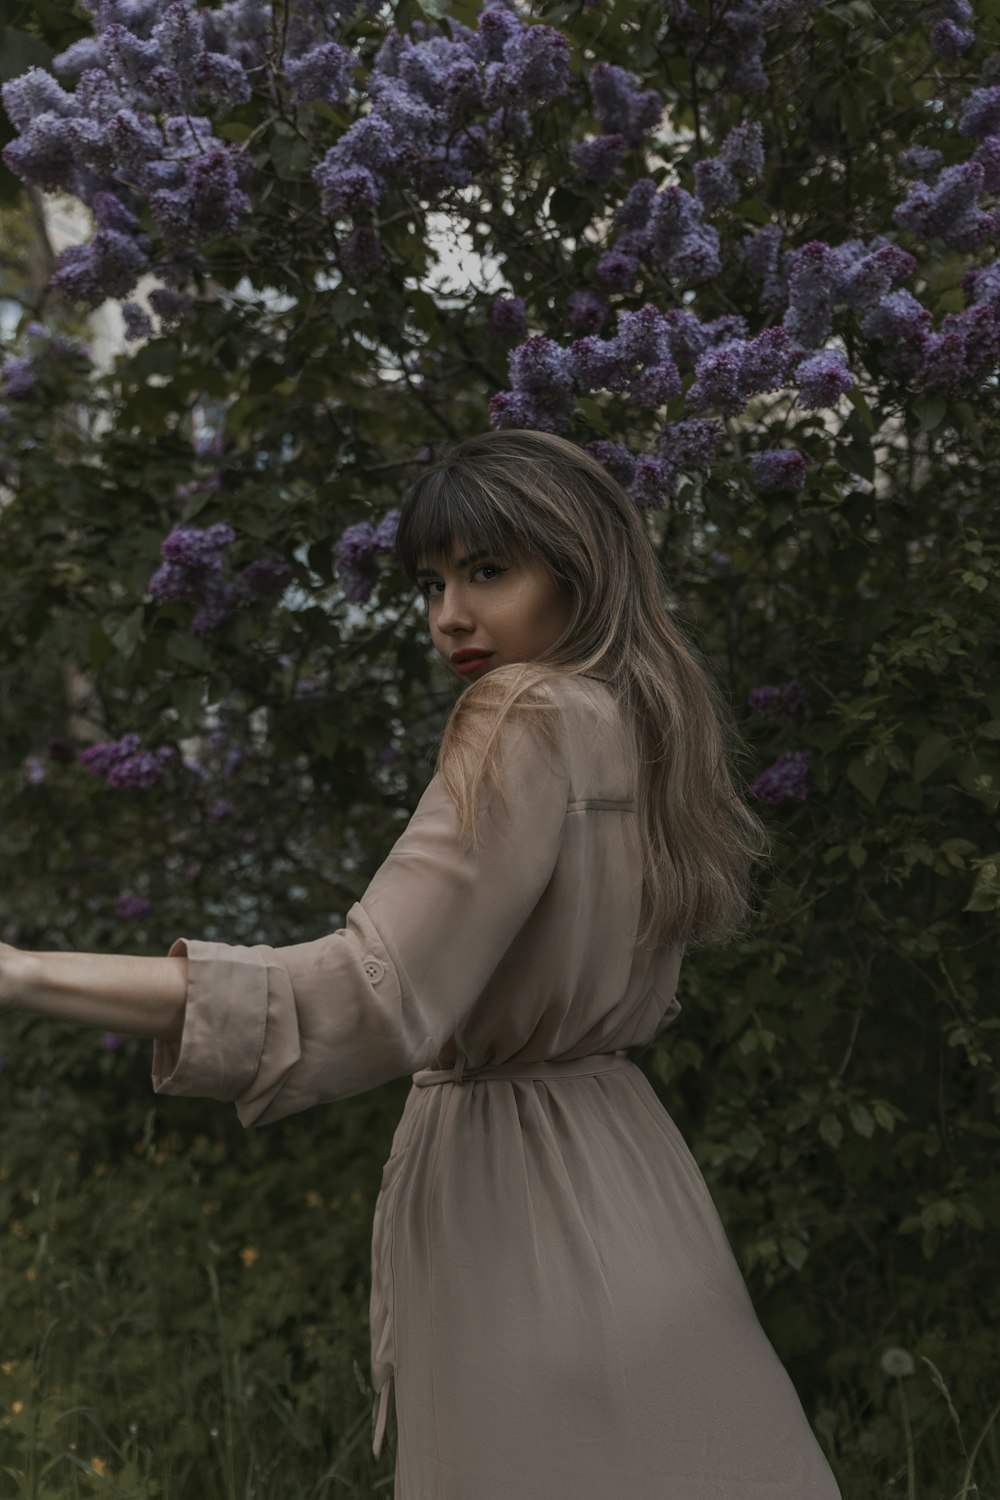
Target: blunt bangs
x=446, y=511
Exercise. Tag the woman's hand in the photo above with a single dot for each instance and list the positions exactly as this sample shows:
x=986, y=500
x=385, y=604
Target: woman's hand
x=15, y=970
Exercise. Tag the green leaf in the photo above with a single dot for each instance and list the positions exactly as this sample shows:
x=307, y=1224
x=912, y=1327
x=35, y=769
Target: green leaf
x=125, y=634
x=869, y=779
x=862, y=1120
x=932, y=752
x=864, y=411
x=831, y=1130
x=931, y=412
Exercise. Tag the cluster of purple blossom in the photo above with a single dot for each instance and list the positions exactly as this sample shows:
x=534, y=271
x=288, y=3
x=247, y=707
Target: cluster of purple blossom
x=124, y=766
x=785, y=780
x=948, y=37
x=732, y=46
x=132, y=908
x=192, y=572
x=777, y=702
x=137, y=131
x=22, y=376
x=357, y=553
x=430, y=95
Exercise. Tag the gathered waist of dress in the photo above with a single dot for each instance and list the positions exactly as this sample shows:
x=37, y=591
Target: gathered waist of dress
x=563, y=1067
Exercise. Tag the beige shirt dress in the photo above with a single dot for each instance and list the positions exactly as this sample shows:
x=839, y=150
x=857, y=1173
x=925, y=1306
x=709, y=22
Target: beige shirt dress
x=556, y=1311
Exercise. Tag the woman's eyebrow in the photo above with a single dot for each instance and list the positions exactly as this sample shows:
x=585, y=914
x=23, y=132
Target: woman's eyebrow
x=463, y=562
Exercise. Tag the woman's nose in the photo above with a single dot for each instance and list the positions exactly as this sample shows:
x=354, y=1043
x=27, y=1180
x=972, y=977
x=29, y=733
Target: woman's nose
x=452, y=610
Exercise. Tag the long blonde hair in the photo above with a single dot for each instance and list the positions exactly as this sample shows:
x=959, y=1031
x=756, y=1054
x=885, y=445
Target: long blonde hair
x=521, y=492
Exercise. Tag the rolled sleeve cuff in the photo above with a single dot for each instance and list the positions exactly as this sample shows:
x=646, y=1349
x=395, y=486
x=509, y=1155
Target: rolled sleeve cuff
x=225, y=1018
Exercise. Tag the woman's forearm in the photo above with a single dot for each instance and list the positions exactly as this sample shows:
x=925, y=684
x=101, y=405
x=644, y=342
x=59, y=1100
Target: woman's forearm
x=112, y=991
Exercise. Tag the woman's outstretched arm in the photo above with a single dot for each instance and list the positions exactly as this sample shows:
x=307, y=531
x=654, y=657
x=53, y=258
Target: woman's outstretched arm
x=111, y=991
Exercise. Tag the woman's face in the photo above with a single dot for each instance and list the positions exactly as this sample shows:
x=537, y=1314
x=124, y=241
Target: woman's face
x=509, y=606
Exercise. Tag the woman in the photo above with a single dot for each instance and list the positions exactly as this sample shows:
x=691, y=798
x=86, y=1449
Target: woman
x=555, y=1307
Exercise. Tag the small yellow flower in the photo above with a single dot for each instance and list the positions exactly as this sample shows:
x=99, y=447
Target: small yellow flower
x=334, y=1202
x=74, y=1156
x=313, y=1199
x=7, y=1367
x=211, y=1208
x=32, y=1273
x=355, y=1196
x=137, y=1205
x=4, y=1173
x=100, y=1167
x=248, y=1256
x=17, y=1408
x=17, y=1227
x=99, y=1464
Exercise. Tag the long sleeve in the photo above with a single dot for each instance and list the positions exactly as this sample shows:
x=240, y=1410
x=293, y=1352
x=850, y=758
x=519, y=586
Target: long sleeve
x=277, y=1030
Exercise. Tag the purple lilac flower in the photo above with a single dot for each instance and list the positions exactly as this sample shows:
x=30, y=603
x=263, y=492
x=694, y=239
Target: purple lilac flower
x=743, y=149
x=621, y=106
x=981, y=115
x=714, y=183
x=950, y=41
x=680, y=243
x=198, y=546
x=948, y=210
x=508, y=317
x=963, y=353
x=586, y=312
x=634, y=210
x=920, y=161
x=110, y=1041
x=138, y=324
x=356, y=566
x=220, y=809
x=653, y=386
x=267, y=575
x=324, y=72
x=760, y=253
x=144, y=57
x=17, y=379
x=124, y=765
x=616, y=271
x=362, y=254
x=169, y=305
x=729, y=375
x=599, y=160
x=219, y=598
x=384, y=541
x=822, y=378
x=651, y=482
x=778, y=469
x=814, y=281
x=690, y=444
x=132, y=908
x=903, y=324
x=987, y=156
x=424, y=88
x=785, y=780
x=873, y=276
x=615, y=457
x=777, y=702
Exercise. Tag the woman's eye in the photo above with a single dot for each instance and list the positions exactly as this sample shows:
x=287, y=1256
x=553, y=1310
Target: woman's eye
x=425, y=588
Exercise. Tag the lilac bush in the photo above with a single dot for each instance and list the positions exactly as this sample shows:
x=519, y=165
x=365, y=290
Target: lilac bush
x=746, y=255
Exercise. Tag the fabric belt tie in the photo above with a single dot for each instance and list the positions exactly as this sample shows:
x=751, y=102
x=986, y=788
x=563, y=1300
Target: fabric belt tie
x=570, y=1067
x=566, y=1067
